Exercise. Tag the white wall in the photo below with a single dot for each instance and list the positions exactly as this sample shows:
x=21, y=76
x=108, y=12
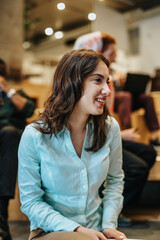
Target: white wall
x=149, y=55
x=150, y=43
x=111, y=22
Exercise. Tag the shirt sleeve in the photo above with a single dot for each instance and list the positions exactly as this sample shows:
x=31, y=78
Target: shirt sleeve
x=113, y=199
x=28, y=108
x=41, y=214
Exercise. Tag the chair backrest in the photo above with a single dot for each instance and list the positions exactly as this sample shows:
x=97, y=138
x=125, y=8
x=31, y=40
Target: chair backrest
x=136, y=83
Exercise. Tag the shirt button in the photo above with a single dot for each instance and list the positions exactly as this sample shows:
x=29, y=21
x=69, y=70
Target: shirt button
x=84, y=186
x=82, y=216
x=83, y=196
x=82, y=171
x=81, y=209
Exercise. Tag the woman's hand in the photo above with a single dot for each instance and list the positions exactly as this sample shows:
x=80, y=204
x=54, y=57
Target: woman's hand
x=92, y=233
x=113, y=233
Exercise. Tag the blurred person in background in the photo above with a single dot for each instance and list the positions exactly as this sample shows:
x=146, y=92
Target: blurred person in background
x=138, y=158
x=126, y=102
x=15, y=107
x=156, y=80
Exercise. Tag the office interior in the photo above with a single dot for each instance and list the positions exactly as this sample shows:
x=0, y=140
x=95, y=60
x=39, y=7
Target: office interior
x=32, y=53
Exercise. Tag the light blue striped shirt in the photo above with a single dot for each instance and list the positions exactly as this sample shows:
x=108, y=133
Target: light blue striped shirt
x=59, y=190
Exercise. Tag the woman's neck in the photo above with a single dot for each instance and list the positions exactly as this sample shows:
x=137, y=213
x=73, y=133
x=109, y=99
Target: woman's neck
x=77, y=122
x=77, y=127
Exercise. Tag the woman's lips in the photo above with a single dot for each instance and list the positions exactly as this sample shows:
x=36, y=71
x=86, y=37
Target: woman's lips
x=101, y=101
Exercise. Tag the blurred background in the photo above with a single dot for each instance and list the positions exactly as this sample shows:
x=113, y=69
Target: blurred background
x=36, y=33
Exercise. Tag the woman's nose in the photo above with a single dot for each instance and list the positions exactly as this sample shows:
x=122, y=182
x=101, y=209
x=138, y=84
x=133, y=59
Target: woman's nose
x=106, y=90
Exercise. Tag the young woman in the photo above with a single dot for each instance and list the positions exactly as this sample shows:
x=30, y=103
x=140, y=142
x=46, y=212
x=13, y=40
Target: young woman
x=69, y=152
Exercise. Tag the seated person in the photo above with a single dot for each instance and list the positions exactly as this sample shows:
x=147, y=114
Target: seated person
x=126, y=102
x=156, y=80
x=15, y=107
x=65, y=156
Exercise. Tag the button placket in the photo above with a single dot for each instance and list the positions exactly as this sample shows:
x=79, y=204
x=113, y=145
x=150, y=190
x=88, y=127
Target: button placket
x=84, y=182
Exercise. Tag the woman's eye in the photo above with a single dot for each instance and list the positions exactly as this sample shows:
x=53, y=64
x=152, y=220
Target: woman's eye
x=108, y=81
x=98, y=80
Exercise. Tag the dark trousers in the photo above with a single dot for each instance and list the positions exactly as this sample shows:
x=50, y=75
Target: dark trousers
x=9, y=141
x=138, y=159
x=125, y=102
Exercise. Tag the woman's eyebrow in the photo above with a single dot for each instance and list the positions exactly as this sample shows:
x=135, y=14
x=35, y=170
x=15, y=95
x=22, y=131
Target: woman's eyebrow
x=97, y=74
x=100, y=75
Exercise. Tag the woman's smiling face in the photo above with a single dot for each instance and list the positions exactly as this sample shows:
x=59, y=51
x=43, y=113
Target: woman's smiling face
x=95, y=91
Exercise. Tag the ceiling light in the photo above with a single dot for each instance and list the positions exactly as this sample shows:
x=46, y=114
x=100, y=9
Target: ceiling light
x=48, y=31
x=61, y=6
x=26, y=45
x=92, y=16
x=59, y=35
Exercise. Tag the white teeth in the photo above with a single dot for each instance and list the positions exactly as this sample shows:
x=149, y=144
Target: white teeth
x=100, y=100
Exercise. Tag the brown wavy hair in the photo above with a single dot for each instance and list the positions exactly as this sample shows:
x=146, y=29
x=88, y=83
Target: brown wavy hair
x=74, y=67
x=107, y=40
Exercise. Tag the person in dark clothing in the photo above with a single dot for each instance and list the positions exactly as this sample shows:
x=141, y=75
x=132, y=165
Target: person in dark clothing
x=138, y=158
x=125, y=103
x=15, y=107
